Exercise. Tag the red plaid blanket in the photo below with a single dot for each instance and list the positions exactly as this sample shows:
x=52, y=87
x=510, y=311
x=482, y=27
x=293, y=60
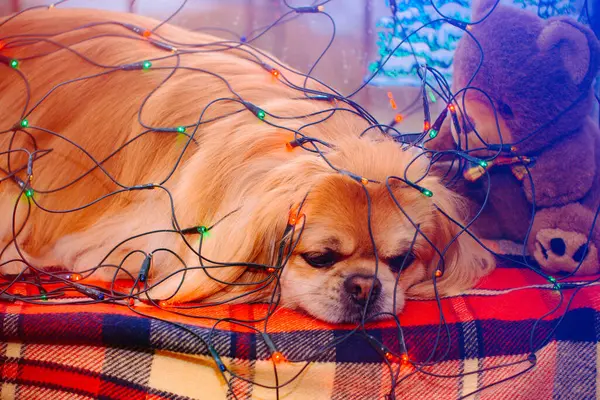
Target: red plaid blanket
x=106, y=351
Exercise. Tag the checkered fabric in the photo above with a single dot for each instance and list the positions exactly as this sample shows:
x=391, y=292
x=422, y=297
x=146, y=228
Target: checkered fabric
x=105, y=351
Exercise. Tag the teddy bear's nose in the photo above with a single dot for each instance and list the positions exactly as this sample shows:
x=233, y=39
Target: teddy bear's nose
x=558, y=246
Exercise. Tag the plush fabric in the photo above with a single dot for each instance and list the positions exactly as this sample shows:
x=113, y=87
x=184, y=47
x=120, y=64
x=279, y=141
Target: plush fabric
x=105, y=351
x=537, y=77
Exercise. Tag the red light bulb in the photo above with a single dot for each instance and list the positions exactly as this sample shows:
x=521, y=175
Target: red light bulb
x=391, y=357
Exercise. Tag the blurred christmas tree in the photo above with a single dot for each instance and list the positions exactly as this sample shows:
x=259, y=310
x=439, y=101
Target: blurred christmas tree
x=432, y=41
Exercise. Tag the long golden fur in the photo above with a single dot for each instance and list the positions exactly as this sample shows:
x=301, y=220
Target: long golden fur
x=237, y=163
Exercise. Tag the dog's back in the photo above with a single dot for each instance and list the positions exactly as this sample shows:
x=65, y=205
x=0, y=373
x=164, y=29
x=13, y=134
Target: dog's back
x=83, y=104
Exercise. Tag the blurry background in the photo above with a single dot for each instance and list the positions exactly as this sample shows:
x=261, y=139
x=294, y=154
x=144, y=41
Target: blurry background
x=297, y=43
x=363, y=36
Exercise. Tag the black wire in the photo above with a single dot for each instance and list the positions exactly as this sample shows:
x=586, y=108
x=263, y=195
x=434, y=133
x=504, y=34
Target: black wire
x=267, y=285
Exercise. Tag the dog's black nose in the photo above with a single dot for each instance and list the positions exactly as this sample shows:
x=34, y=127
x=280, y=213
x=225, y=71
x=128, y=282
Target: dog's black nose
x=358, y=286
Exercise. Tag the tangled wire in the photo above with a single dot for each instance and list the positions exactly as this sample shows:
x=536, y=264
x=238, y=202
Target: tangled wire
x=54, y=286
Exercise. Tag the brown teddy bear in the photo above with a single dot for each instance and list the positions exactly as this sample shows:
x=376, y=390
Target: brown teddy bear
x=538, y=75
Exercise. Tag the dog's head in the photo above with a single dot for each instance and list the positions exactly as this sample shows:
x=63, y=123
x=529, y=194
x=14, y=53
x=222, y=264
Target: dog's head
x=359, y=250
x=358, y=246
x=355, y=248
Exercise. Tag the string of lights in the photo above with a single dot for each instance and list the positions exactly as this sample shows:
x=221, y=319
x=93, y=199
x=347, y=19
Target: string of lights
x=54, y=287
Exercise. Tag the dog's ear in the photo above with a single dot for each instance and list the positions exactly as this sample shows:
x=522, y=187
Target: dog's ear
x=250, y=234
x=464, y=260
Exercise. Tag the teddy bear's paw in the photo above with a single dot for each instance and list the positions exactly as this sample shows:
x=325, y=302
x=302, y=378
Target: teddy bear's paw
x=562, y=251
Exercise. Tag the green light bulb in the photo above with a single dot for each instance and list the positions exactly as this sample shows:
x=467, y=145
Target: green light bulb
x=44, y=297
x=426, y=192
x=29, y=193
x=24, y=123
x=181, y=129
x=261, y=114
x=552, y=279
x=146, y=65
x=14, y=63
x=431, y=95
x=483, y=164
x=433, y=133
x=203, y=231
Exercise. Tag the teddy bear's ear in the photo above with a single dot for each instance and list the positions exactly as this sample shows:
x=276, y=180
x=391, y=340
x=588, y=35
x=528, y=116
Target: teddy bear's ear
x=575, y=45
x=480, y=8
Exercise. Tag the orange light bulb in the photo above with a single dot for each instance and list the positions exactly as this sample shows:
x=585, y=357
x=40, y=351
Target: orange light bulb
x=294, y=216
x=163, y=303
x=146, y=34
x=404, y=358
x=275, y=73
x=390, y=95
x=75, y=277
x=364, y=181
x=438, y=273
x=270, y=270
x=451, y=108
x=289, y=146
x=398, y=118
x=277, y=357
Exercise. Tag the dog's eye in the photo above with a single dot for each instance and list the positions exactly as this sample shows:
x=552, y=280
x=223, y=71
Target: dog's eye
x=401, y=262
x=320, y=260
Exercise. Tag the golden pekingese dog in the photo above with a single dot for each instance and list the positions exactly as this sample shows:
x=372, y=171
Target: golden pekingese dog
x=236, y=176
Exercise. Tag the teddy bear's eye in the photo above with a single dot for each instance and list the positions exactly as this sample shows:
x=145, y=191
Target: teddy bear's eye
x=505, y=110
